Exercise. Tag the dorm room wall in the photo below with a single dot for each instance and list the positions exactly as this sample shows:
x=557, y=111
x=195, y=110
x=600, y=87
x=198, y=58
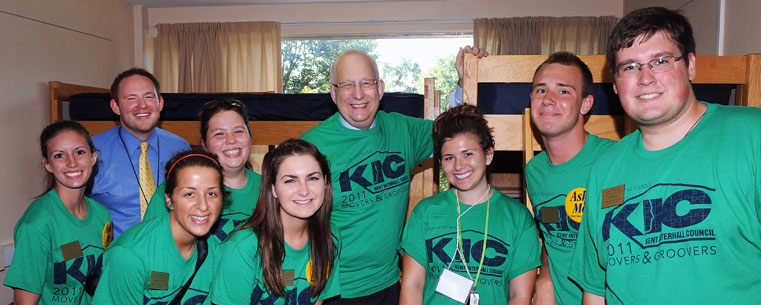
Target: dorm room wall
x=703, y=16
x=741, y=27
x=367, y=17
x=33, y=53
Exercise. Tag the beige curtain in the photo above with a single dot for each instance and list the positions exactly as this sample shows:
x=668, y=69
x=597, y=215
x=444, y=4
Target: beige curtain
x=218, y=57
x=543, y=35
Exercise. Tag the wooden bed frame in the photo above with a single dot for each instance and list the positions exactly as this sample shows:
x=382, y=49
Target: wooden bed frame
x=513, y=132
x=265, y=134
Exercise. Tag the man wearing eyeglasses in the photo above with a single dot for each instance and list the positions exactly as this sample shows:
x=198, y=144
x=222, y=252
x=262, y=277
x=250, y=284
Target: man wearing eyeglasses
x=371, y=154
x=673, y=211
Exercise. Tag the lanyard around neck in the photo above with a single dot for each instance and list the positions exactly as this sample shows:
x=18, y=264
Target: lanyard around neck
x=459, y=237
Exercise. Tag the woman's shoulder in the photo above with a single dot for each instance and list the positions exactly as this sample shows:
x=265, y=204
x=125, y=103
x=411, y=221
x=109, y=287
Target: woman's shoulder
x=97, y=209
x=40, y=211
x=435, y=201
x=510, y=204
x=244, y=240
x=143, y=234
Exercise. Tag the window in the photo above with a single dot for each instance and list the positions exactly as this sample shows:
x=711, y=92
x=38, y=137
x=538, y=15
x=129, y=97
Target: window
x=403, y=62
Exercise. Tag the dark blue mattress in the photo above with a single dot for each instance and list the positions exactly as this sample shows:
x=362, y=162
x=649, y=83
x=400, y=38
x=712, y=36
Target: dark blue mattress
x=514, y=97
x=261, y=107
x=494, y=98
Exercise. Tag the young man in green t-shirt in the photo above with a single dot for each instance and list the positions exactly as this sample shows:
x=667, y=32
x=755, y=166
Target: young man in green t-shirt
x=672, y=210
x=371, y=154
x=556, y=178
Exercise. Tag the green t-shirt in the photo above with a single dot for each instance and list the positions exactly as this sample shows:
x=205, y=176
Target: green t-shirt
x=558, y=191
x=371, y=185
x=144, y=266
x=238, y=206
x=687, y=227
x=56, y=251
x=238, y=277
x=512, y=245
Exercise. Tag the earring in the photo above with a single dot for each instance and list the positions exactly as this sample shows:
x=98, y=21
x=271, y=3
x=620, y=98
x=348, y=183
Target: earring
x=171, y=207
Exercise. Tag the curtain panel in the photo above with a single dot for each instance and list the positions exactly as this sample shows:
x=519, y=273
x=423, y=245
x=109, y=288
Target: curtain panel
x=543, y=35
x=218, y=57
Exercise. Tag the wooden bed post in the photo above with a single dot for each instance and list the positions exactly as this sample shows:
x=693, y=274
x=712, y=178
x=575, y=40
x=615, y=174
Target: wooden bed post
x=55, y=103
x=528, y=153
x=749, y=94
x=422, y=182
x=470, y=80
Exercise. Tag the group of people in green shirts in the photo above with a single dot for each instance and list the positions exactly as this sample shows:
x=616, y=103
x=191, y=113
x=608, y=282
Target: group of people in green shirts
x=671, y=214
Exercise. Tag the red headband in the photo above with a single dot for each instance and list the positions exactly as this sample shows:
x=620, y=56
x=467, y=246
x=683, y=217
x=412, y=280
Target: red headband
x=190, y=155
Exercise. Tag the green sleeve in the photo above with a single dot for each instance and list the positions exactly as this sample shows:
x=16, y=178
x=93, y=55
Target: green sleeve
x=157, y=206
x=586, y=270
x=413, y=236
x=30, y=261
x=235, y=268
x=423, y=140
x=332, y=287
x=123, y=279
x=528, y=250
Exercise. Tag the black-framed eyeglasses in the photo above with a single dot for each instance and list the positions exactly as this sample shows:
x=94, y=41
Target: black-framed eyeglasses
x=657, y=65
x=350, y=85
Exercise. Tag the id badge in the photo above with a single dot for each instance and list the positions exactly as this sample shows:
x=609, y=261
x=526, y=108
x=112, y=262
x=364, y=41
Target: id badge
x=454, y=286
x=473, y=299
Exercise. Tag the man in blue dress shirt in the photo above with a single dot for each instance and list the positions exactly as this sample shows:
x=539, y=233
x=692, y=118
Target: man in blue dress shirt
x=135, y=98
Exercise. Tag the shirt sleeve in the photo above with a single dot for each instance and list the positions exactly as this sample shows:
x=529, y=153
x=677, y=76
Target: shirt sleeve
x=30, y=261
x=233, y=280
x=123, y=280
x=157, y=205
x=332, y=287
x=413, y=235
x=586, y=270
x=528, y=250
x=423, y=139
x=455, y=98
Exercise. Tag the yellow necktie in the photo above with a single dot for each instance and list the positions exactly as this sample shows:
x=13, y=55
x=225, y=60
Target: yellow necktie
x=147, y=186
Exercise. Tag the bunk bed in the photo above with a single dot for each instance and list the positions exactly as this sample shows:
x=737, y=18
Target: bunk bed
x=513, y=132
x=268, y=128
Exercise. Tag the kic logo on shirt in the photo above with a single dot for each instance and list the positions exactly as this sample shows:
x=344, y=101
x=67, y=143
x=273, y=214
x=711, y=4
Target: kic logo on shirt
x=295, y=296
x=378, y=172
x=663, y=213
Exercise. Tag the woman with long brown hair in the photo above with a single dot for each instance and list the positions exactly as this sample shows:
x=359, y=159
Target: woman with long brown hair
x=61, y=237
x=286, y=249
x=164, y=260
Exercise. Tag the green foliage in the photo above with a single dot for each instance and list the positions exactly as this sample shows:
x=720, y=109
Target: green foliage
x=306, y=68
x=306, y=63
x=404, y=77
x=446, y=78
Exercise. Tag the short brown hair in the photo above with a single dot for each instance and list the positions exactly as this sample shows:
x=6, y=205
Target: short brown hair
x=131, y=72
x=645, y=23
x=461, y=119
x=570, y=59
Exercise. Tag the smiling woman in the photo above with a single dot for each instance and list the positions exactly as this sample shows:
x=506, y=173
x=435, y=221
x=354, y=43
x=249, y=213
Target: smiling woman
x=62, y=233
x=164, y=259
x=286, y=249
x=464, y=145
x=224, y=133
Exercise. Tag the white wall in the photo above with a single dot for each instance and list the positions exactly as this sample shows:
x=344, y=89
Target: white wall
x=742, y=27
x=34, y=53
x=405, y=13
x=703, y=16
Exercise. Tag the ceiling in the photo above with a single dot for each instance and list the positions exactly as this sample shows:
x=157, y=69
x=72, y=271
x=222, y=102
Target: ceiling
x=186, y=3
